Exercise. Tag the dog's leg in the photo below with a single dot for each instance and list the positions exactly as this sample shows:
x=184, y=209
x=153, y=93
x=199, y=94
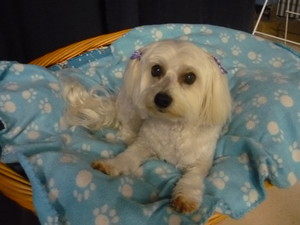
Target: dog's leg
x=187, y=194
x=128, y=162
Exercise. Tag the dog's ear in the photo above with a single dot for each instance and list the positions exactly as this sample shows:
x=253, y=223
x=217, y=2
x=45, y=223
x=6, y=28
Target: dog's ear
x=217, y=102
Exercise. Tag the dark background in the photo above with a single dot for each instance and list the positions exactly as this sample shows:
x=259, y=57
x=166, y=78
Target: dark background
x=29, y=29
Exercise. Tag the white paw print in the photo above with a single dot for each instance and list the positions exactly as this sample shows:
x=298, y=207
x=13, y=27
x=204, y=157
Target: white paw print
x=252, y=121
x=105, y=216
x=29, y=95
x=236, y=50
x=224, y=37
x=118, y=72
x=250, y=195
x=45, y=106
x=14, y=132
x=243, y=87
x=92, y=69
x=284, y=98
x=187, y=29
x=3, y=65
x=138, y=44
x=255, y=57
x=240, y=37
x=68, y=158
x=36, y=160
x=106, y=154
x=171, y=218
x=163, y=171
x=125, y=187
x=32, y=131
x=263, y=169
x=53, y=191
x=220, y=52
x=219, y=180
x=295, y=150
x=259, y=100
x=85, y=185
x=148, y=211
x=260, y=77
x=156, y=34
x=292, y=178
x=278, y=160
x=170, y=26
x=52, y=220
x=13, y=86
x=6, y=104
x=238, y=107
x=186, y=38
x=280, y=78
x=36, y=77
x=277, y=62
x=206, y=30
x=104, y=80
x=17, y=69
x=275, y=132
x=85, y=147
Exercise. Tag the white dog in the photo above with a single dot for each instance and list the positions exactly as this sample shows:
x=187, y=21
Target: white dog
x=172, y=106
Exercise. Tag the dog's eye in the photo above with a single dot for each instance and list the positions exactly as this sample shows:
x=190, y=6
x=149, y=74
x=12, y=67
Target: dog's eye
x=157, y=71
x=189, y=78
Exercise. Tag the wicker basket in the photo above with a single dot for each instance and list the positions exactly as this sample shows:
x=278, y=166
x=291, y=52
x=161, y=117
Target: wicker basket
x=15, y=186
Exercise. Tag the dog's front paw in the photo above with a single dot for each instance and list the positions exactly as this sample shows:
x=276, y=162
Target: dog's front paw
x=105, y=167
x=184, y=204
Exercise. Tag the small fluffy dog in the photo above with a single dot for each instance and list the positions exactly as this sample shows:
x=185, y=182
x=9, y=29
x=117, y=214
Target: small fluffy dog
x=172, y=105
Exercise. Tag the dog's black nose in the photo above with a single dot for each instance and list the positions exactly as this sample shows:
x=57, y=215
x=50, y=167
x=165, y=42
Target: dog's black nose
x=162, y=100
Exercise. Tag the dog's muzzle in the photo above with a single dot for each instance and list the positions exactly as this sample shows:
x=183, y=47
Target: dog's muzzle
x=162, y=100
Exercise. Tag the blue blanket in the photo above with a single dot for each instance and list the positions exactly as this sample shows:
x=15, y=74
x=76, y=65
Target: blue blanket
x=261, y=142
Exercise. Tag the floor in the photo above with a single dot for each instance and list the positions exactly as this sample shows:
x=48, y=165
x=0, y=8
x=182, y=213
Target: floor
x=282, y=206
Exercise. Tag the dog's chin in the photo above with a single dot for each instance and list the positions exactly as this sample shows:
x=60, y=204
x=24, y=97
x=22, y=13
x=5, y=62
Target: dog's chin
x=163, y=113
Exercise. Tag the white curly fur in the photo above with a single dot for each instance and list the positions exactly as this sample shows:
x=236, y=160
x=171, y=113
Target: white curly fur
x=181, y=128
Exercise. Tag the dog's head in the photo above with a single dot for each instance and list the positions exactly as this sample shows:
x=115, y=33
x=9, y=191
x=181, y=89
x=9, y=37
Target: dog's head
x=179, y=81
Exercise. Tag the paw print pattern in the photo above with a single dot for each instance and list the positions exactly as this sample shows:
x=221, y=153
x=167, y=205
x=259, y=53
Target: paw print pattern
x=32, y=131
x=220, y=52
x=29, y=95
x=36, y=160
x=170, y=26
x=104, y=80
x=219, y=180
x=295, y=151
x=125, y=187
x=53, y=191
x=45, y=106
x=280, y=78
x=240, y=37
x=13, y=86
x=277, y=62
x=106, y=154
x=105, y=216
x=259, y=100
x=118, y=73
x=138, y=44
x=238, y=107
x=284, y=98
x=85, y=185
x=263, y=170
x=278, y=160
x=15, y=132
x=224, y=37
x=52, y=220
x=252, y=121
x=236, y=50
x=17, y=69
x=6, y=105
x=172, y=219
x=68, y=158
x=206, y=30
x=187, y=29
x=36, y=77
x=92, y=69
x=275, y=132
x=85, y=147
x=255, y=57
x=250, y=195
x=4, y=65
x=163, y=171
x=156, y=34
x=292, y=178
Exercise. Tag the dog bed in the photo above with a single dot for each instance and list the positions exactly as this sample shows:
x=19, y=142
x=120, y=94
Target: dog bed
x=260, y=143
